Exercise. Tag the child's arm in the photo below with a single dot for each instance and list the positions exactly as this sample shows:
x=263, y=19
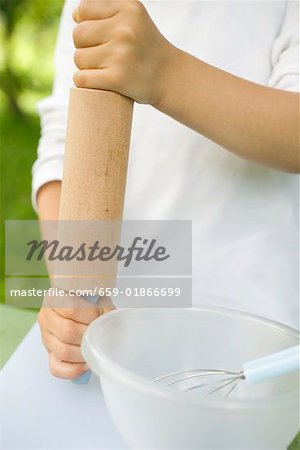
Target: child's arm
x=119, y=48
x=256, y=122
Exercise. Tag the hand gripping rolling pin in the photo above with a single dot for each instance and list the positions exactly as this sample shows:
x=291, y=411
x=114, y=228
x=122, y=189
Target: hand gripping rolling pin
x=96, y=156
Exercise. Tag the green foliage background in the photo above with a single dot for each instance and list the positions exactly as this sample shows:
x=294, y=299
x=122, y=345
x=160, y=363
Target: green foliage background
x=28, y=31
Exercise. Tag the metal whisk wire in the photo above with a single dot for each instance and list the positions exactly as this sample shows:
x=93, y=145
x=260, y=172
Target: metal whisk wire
x=184, y=375
x=255, y=371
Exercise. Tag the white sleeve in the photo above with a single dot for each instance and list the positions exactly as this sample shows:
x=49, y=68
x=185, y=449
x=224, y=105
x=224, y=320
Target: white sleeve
x=53, y=110
x=285, y=52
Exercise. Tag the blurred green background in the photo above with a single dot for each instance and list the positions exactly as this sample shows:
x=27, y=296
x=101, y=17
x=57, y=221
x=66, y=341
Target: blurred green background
x=28, y=31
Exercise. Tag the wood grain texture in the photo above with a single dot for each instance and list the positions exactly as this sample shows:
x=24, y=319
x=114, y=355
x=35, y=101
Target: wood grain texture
x=94, y=180
x=96, y=155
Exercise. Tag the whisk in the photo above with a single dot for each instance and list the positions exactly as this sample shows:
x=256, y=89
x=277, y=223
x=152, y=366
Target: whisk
x=253, y=372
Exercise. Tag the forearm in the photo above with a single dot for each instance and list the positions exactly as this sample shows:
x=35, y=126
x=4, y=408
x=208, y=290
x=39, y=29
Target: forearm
x=255, y=122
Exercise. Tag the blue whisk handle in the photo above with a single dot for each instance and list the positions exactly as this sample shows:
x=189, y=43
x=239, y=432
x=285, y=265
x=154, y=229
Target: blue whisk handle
x=273, y=365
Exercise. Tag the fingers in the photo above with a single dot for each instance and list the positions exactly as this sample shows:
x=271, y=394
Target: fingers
x=62, y=338
x=96, y=9
x=65, y=370
x=95, y=79
x=92, y=57
x=135, y=51
x=92, y=32
x=66, y=330
x=62, y=330
x=63, y=352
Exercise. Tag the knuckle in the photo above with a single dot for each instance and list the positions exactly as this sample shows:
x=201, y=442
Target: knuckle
x=54, y=369
x=134, y=7
x=79, y=33
x=137, y=12
x=79, y=79
x=78, y=58
x=126, y=33
x=83, y=9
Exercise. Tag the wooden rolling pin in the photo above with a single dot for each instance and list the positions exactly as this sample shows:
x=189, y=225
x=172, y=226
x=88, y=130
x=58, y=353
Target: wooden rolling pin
x=96, y=156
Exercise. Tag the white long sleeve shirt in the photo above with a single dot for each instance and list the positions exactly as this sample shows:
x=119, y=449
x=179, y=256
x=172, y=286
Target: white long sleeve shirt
x=245, y=216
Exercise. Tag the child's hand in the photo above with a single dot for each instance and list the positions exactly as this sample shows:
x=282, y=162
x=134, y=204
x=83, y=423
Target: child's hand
x=120, y=49
x=62, y=330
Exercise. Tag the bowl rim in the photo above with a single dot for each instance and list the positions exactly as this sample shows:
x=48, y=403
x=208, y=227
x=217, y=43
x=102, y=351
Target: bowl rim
x=106, y=366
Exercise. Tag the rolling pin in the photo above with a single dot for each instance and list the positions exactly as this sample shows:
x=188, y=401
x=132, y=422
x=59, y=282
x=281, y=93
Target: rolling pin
x=95, y=161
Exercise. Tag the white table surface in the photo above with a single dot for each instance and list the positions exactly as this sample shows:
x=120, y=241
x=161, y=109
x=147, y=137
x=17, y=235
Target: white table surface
x=38, y=411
